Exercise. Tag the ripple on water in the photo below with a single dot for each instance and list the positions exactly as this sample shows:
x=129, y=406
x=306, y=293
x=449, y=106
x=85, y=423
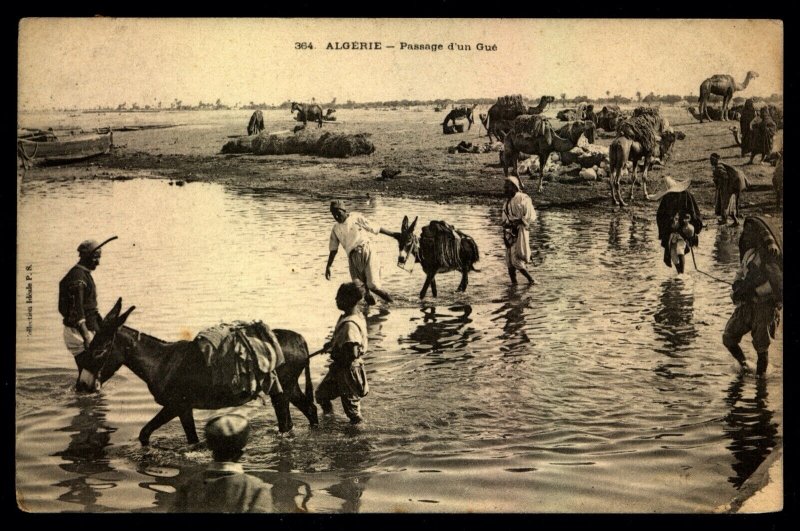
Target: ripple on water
x=606, y=379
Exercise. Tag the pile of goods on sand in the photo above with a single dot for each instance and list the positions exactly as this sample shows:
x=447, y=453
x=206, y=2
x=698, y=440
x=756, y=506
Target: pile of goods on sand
x=243, y=144
x=469, y=147
x=584, y=155
x=452, y=129
x=331, y=145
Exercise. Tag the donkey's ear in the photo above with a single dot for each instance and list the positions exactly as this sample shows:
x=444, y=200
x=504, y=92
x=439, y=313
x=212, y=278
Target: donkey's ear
x=124, y=317
x=114, y=311
x=404, y=226
x=411, y=228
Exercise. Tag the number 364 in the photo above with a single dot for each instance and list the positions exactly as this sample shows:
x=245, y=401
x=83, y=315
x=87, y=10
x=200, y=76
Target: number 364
x=303, y=46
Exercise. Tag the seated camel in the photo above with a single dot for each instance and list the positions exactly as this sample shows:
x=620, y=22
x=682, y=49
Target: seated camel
x=533, y=134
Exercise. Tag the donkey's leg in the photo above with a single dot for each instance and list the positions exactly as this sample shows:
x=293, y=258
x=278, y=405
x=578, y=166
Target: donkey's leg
x=162, y=417
x=428, y=278
x=280, y=403
x=464, y=279
x=644, y=178
x=187, y=421
x=433, y=285
x=299, y=400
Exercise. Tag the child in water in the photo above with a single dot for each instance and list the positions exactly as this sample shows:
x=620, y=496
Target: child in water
x=682, y=237
x=346, y=376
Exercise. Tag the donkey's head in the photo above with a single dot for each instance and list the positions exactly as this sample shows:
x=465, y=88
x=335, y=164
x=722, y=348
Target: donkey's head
x=102, y=359
x=406, y=241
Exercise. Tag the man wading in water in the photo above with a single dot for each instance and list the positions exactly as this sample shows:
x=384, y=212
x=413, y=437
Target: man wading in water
x=350, y=231
x=77, y=304
x=517, y=216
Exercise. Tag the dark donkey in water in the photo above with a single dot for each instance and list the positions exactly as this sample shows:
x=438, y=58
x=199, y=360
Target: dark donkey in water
x=179, y=380
x=440, y=249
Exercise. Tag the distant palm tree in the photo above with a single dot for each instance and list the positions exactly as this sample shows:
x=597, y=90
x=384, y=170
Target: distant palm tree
x=638, y=95
x=563, y=99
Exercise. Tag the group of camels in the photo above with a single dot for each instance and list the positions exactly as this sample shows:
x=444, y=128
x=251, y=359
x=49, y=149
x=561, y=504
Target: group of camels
x=645, y=136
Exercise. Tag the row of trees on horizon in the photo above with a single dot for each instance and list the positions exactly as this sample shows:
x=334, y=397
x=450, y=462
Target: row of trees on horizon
x=442, y=103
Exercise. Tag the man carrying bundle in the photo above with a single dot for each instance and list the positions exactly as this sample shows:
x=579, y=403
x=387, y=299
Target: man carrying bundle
x=757, y=291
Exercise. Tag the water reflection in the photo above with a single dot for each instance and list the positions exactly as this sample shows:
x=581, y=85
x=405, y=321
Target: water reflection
x=512, y=313
x=440, y=331
x=614, y=237
x=726, y=246
x=749, y=426
x=352, y=457
x=86, y=454
x=639, y=234
x=286, y=488
x=673, y=323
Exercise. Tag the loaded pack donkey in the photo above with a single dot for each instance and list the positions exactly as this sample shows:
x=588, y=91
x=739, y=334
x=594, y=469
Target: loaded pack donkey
x=180, y=379
x=439, y=249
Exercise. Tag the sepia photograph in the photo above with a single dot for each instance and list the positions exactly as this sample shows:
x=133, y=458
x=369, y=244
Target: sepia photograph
x=408, y=265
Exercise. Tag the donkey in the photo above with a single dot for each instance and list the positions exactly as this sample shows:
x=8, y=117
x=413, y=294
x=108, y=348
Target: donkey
x=306, y=112
x=439, y=251
x=179, y=380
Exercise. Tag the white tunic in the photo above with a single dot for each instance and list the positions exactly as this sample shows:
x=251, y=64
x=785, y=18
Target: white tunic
x=519, y=207
x=350, y=233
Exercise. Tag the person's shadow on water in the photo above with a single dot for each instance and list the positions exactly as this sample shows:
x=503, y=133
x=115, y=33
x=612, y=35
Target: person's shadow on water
x=85, y=456
x=673, y=321
x=749, y=426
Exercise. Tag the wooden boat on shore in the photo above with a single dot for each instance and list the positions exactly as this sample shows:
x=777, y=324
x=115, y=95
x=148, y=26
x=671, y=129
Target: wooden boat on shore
x=52, y=149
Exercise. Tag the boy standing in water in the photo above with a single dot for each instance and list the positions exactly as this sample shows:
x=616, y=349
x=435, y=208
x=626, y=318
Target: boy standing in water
x=346, y=376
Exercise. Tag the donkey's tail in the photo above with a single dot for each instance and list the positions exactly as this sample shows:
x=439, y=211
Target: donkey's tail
x=470, y=249
x=309, y=383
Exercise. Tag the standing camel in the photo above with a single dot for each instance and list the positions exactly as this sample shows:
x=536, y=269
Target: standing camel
x=639, y=139
x=535, y=135
x=722, y=85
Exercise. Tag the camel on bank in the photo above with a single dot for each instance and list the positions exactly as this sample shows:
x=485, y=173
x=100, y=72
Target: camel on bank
x=722, y=85
x=533, y=134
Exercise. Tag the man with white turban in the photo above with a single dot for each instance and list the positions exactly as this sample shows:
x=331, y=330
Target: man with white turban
x=517, y=216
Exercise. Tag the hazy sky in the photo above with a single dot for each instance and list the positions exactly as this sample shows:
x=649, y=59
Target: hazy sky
x=100, y=61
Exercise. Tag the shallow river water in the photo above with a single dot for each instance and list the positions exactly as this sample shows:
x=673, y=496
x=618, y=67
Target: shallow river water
x=603, y=388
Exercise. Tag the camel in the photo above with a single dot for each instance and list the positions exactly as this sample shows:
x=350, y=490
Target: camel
x=639, y=140
x=460, y=112
x=715, y=114
x=499, y=118
x=610, y=117
x=534, y=134
x=722, y=85
x=308, y=112
x=543, y=102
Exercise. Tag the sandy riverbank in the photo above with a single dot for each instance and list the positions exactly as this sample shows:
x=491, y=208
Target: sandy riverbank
x=412, y=143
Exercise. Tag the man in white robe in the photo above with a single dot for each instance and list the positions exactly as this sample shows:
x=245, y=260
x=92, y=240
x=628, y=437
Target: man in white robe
x=517, y=216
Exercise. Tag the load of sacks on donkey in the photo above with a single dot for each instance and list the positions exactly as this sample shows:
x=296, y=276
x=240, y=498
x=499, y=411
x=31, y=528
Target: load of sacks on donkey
x=243, y=357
